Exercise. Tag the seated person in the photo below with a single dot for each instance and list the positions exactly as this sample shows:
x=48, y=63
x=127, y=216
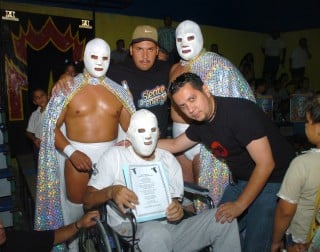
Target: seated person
x=108, y=183
x=297, y=207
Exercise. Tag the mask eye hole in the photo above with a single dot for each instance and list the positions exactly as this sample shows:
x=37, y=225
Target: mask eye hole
x=141, y=130
x=179, y=39
x=190, y=38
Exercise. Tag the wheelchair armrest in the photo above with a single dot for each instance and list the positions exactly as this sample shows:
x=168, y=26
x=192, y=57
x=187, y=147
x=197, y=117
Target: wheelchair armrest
x=195, y=189
x=199, y=192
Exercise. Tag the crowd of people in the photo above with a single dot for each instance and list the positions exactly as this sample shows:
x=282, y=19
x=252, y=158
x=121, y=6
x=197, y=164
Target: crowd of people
x=264, y=195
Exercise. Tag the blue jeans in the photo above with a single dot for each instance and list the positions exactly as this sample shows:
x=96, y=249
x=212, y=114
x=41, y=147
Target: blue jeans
x=256, y=223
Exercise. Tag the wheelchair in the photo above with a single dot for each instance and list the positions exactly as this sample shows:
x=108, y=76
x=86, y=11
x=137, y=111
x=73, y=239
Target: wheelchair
x=102, y=238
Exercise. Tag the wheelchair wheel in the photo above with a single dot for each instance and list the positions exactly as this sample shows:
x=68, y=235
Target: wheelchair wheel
x=98, y=239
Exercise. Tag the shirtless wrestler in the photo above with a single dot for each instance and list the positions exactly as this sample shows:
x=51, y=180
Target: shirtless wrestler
x=81, y=126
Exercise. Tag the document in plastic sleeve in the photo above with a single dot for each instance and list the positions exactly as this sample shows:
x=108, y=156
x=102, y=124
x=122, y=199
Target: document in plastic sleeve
x=150, y=183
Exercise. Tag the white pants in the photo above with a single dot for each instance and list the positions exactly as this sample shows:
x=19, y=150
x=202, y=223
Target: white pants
x=71, y=211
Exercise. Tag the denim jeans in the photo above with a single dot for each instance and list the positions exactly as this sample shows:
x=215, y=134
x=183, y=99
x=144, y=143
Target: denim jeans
x=256, y=223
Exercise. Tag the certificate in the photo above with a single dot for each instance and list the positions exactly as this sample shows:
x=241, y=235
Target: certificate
x=150, y=184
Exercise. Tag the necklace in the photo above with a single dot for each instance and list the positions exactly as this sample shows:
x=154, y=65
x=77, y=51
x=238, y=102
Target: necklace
x=214, y=111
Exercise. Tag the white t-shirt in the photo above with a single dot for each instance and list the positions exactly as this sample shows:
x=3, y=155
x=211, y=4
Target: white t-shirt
x=273, y=47
x=109, y=172
x=300, y=186
x=299, y=58
x=35, y=123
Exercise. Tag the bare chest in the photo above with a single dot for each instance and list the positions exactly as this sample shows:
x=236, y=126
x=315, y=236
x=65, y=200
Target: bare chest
x=94, y=101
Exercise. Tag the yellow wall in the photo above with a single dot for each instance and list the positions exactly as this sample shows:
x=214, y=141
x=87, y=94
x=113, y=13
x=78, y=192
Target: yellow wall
x=233, y=44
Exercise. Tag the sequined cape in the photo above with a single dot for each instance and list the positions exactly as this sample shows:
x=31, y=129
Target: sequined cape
x=223, y=79
x=48, y=212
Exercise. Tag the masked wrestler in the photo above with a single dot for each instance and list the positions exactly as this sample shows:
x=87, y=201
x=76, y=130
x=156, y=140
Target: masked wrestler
x=77, y=129
x=223, y=79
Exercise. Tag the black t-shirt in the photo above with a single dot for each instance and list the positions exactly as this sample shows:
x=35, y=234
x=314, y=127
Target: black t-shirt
x=24, y=241
x=149, y=88
x=238, y=122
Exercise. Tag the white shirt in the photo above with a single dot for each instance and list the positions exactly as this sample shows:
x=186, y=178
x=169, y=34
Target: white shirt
x=273, y=47
x=35, y=123
x=299, y=58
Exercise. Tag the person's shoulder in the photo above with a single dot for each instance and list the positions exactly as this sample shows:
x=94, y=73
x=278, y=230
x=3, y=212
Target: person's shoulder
x=113, y=151
x=238, y=100
x=162, y=66
x=161, y=153
x=37, y=110
x=122, y=67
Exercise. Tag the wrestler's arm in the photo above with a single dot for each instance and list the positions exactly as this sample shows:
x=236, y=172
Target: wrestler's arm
x=79, y=159
x=176, y=145
x=124, y=119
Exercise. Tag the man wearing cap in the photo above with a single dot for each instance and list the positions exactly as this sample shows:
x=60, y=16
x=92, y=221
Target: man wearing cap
x=146, y=76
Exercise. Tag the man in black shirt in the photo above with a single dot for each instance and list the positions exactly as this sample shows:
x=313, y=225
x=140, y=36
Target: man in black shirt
x=237, y=131
x=146, y=77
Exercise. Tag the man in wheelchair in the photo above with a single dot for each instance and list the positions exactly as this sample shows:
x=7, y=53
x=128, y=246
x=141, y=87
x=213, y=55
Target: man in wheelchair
x=171, y=233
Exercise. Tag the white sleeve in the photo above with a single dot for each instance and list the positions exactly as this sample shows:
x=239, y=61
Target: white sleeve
x=106, y=169
x=31, y=124
x=175, y=177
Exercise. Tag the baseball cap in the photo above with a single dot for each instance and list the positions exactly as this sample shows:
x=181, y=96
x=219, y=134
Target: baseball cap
x=143, y=33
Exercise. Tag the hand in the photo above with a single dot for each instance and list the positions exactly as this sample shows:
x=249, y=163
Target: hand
x=81, y=161
x=88, y=220
x=124, y=197
x=37, y=142
x=174, y=211
x=300, y=247
x=64, y=84
x=277, y=246
x=3, y=237
x=228, y=211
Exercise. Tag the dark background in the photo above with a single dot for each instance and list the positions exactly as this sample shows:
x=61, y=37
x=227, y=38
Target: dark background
x=249, y=15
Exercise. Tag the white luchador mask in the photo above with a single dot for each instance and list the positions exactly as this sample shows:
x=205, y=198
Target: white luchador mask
x=189, y=40
x=97, y=57
x=143, y=132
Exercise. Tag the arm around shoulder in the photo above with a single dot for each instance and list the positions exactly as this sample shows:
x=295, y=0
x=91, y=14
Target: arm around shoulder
x=175, y=145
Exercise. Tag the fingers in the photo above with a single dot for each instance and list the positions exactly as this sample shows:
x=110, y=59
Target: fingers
x=225, y=213
x=124, y=198
x=81, y=161
x=174, y=211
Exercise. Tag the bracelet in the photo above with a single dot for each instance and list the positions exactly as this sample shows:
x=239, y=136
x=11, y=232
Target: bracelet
x=68, y=150
x=76, y=225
